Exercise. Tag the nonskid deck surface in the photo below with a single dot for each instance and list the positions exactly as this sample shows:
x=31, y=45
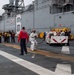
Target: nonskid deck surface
x=49, y=63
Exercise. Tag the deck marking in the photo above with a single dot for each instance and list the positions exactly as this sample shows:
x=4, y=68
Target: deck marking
x=33, y=56
x=58, y=67
x=33, y=67
x=65, y=50
x=45, y=53
x=64, y=68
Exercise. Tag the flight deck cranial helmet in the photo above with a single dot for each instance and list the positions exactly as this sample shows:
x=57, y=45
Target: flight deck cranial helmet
x=34, y=30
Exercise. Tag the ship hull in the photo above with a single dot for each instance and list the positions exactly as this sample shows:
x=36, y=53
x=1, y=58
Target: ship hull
x=40, y=19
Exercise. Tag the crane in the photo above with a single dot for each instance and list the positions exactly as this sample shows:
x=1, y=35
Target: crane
x=14, y=6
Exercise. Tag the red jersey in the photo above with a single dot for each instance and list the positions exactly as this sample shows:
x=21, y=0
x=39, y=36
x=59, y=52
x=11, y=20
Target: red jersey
x=23, y=34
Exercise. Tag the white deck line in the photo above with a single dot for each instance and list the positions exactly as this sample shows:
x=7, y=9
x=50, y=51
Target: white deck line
x=31, y=66
x=64, y=68
x=65, y=50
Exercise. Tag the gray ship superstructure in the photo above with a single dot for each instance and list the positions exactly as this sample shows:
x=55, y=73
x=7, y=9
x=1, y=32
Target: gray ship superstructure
x=41, y=15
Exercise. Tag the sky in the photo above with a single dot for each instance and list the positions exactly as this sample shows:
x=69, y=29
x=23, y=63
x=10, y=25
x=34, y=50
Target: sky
x=2, y=2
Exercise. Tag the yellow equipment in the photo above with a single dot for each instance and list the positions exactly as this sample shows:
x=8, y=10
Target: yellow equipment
x=59, y=29
x=41, y=35
x=63, y=29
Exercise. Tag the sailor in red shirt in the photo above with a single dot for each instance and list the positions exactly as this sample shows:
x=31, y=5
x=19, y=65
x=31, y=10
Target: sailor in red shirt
x=23, y=38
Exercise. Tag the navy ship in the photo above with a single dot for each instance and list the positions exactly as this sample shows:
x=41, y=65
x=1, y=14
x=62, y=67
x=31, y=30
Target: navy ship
x=41, y=15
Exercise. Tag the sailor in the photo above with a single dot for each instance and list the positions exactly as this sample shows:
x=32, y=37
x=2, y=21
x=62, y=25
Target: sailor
x=8, y=37
x=5, y=36
x=32, y=39
x=23, y=38
x=67, y=33
x=47, y=37
x=12, y=36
